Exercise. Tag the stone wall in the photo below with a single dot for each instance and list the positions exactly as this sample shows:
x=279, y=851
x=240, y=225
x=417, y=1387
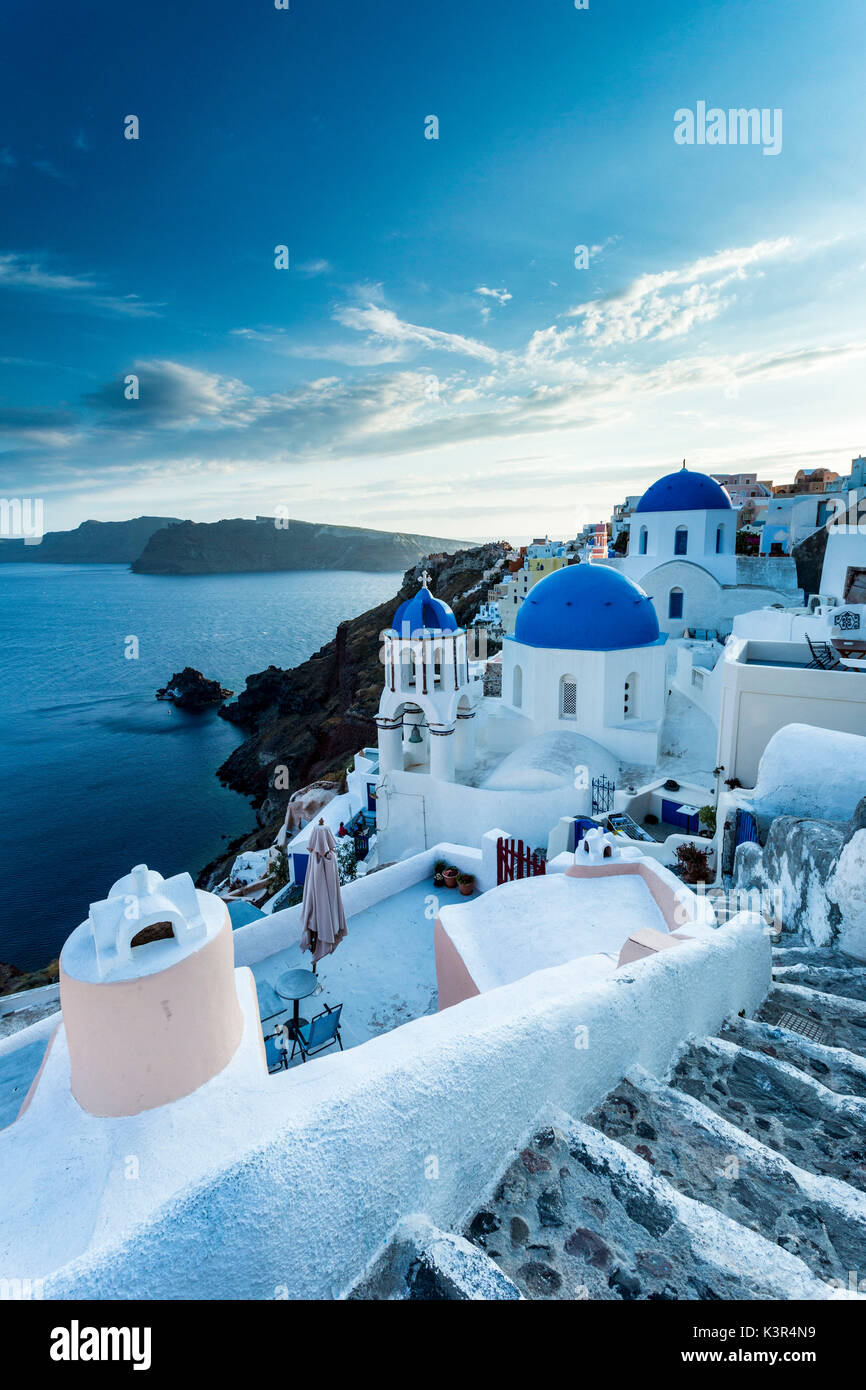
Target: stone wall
x=815, y=871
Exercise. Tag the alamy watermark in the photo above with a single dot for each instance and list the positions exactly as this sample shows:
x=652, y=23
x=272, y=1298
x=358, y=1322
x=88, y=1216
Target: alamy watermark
x=737, y=126
x=22, y=518
x=847, y=515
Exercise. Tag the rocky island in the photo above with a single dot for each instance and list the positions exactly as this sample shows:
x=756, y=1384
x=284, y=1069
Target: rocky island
x=91, y=543
x=189, y=689
x=268, y=543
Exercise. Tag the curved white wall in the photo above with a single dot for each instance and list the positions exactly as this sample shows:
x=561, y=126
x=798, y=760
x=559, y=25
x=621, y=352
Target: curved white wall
x=465, y=1086
x=601, y=706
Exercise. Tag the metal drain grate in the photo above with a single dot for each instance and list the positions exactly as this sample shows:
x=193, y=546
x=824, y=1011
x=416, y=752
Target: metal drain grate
x=806, y=1027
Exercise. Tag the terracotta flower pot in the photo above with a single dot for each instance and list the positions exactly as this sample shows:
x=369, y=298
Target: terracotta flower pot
x=450, y=877
x=467, y=889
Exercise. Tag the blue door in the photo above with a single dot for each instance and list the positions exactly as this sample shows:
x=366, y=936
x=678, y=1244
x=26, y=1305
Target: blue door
x=299, y=868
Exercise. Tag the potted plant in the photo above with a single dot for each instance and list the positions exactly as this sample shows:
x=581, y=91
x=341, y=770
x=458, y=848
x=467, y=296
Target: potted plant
x=466, y=884
x=450, y=877
x=707, y=821
x=438, y=870
x=693, y=864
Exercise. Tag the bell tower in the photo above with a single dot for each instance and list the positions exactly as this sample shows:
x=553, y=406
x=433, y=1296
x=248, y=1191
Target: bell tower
x=425, y=699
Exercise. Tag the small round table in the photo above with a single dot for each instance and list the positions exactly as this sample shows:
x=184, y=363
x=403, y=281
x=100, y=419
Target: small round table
x=296, y=985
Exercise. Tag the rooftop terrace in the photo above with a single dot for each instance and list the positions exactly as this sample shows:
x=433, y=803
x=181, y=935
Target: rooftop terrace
x=383, y=973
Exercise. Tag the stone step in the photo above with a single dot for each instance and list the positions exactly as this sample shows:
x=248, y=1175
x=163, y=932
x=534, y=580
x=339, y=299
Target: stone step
x=847, y=983
x=815, y=955
x=577, y=1215
x=780, y=1106
x=842, y=1071
x=707, y=1158
x=842, y=1022
x=421, y=1261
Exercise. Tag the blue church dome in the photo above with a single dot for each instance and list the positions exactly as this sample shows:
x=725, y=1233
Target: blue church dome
x=685, y=491
x=586, y=608
x=424, y=611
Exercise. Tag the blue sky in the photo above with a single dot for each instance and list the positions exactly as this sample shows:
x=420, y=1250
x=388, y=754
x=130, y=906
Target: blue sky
x=432, y=359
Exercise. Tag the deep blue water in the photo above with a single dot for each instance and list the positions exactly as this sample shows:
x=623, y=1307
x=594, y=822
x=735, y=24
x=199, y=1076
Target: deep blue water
x=96, y=775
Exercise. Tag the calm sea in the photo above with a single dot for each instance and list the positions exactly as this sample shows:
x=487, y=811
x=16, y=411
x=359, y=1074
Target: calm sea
x=96, y=775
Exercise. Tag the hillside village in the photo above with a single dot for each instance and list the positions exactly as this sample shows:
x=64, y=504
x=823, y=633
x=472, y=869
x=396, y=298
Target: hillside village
x=597, y=808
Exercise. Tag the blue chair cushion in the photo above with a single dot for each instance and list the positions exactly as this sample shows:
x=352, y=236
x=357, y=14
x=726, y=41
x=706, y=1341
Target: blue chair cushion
x=270, y=1002
x=322, y=1029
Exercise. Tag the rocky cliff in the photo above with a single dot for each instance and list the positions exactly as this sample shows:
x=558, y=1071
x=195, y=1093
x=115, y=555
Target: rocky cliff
x=91, y=543
x=233, y=547
x=312, y=719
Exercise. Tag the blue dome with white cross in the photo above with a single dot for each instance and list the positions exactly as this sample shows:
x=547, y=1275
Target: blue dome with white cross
x=424, y=611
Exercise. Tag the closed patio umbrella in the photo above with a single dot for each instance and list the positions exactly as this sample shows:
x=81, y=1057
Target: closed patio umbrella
x=322, y=915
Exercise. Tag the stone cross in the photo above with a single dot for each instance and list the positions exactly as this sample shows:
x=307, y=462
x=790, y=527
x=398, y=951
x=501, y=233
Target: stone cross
x=425, y=579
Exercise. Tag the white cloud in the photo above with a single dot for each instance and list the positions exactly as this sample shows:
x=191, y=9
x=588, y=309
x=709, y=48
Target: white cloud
x=196, y=421
x=383, y=326
x=28, y=273
x=669, y=303
x=175, y=396
x=501, y=296
x=315, y=267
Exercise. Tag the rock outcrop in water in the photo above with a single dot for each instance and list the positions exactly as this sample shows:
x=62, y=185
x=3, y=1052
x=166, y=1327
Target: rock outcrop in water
x=313, y=718
x=189, y=689
x=239, y=546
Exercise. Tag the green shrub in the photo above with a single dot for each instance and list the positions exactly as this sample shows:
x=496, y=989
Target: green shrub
x=347, y=860
x=278, y=874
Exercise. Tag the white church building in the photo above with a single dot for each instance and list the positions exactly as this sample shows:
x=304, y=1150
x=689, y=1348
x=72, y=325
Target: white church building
x=583, y=696
x=587, y=654
x=682, y=551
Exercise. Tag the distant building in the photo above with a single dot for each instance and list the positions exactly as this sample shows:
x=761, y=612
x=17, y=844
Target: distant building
x=619, y=520
x=789, y=519
x=743, y=487
x=540, y=558
x=807, y=480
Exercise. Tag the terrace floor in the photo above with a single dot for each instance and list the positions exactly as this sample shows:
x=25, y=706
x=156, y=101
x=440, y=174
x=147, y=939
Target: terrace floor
x=383, y=972
x=17, y=1070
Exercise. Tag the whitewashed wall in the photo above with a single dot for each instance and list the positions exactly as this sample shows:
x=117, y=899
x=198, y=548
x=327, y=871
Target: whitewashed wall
x=758, y=700
x=600, y=678
x=418, y=1121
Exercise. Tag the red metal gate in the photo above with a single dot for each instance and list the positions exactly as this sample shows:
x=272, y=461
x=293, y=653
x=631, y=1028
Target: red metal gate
x=516, y=860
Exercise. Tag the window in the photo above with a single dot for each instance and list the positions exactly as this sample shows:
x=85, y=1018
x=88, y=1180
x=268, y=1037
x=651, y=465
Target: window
x=629, y=697
x=720, y=540
x=517, y=688
x=681, y=540
x=568, y=698
x=641, y=545
x=675, y=603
